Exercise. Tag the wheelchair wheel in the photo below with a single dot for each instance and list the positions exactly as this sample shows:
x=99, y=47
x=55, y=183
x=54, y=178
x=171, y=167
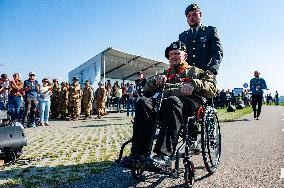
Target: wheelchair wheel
x=189, y=175
x=137, y=173
x=211, y=140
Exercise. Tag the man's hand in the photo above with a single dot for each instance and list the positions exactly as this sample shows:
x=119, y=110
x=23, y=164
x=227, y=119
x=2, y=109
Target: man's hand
x=161, y=79
x=187, y=89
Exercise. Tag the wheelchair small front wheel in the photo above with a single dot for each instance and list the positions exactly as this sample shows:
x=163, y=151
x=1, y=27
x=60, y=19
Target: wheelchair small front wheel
x=137, y=173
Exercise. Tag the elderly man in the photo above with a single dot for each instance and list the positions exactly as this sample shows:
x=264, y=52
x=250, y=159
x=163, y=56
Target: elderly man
x=202, y=42
x=180, y=103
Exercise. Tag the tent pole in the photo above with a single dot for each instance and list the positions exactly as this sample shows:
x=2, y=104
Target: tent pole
x=104, y=62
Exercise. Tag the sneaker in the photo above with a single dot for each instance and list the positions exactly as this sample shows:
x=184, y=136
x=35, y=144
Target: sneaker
x=46, y=124
x=40, y=124
x=158, y=163
x=33, y=125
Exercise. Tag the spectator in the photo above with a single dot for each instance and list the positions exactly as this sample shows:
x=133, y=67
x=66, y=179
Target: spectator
x=140, y=83
x=44, y=101
x=4, y=91
x=109, y=93
x=31, y=94
x=276, y=98
x=131, y=101
x=222, y=98
x=15, y=97
x=117, y=95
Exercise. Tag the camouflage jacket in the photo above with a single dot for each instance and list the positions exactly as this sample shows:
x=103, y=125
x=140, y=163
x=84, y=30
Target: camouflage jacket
x=64, y=94
x=88, y=95
x=202, y=82
x=75, y=92
x=55, y=93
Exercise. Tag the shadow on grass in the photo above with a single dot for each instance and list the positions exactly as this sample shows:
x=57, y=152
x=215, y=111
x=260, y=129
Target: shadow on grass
x=58, y=176
x=96, y=126
x=233, y=120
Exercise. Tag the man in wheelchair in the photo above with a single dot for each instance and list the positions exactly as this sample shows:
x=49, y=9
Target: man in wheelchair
x=181, y=85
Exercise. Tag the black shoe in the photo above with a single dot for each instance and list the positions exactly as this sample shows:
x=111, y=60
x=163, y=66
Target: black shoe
x=132, y=161
x=158, y=163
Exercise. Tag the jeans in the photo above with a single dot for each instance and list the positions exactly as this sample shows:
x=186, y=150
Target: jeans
x=30, y=109
x=44, y=111
x=14, y=104
x=130, y=105
x=117, y=101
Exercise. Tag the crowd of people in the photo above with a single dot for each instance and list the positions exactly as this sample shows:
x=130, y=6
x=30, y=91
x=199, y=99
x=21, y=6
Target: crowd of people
x=33, y=103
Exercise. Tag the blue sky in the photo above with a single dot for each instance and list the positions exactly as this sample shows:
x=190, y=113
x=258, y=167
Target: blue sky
x=52, y=37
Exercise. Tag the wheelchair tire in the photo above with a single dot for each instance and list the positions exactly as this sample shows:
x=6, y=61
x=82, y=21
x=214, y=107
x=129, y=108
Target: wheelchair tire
x=189, y=175
x=211, y=141
x=137, y=173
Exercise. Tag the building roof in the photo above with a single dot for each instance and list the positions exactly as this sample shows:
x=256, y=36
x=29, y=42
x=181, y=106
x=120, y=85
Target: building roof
x=124, y=66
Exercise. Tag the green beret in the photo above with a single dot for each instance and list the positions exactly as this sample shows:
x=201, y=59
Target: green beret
x=191, y=7
x=178, y=45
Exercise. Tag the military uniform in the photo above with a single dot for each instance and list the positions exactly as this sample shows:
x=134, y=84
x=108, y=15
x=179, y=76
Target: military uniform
x=87, y=100
x=55, y=99
x=75, y=96
x=63, y=100
x=101, y=94
x=203, y=48
x=173, y=110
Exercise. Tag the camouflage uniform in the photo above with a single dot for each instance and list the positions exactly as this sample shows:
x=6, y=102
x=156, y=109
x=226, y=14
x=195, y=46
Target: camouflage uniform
x=63, y=100
x=55, y=98
x=75, y=96
x=87, y=100
x=101, y=94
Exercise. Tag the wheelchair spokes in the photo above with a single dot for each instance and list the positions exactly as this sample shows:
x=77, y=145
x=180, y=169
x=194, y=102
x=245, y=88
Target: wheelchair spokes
x=211, y=140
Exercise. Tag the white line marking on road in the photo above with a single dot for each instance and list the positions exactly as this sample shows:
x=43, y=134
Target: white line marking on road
x=282, y=173
x=282, y=119
x=282, y=130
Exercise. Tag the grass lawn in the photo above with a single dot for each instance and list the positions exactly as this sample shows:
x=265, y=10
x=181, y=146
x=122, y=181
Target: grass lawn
x=225, y=116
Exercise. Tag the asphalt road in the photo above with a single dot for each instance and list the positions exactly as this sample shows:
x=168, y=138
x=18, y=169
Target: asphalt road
x=252, y=156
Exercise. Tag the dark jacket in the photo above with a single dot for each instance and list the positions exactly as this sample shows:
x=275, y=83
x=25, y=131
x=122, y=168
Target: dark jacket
x=204, y=49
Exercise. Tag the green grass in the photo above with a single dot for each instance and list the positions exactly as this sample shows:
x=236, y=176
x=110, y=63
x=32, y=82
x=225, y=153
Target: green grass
x=282, y=104
x=225, y=116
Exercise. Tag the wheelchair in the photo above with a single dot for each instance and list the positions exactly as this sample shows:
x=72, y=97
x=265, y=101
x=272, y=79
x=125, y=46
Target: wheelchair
x=207, y=134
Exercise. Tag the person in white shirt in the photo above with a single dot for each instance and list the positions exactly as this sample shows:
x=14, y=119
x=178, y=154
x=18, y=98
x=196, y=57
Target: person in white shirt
x=44, y=101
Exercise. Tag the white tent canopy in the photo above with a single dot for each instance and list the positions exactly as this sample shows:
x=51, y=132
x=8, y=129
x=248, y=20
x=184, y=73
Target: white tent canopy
x=117, y=65
x=124, y=66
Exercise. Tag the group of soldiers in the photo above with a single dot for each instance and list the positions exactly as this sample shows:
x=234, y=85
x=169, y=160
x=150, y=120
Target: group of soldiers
x=68, y=99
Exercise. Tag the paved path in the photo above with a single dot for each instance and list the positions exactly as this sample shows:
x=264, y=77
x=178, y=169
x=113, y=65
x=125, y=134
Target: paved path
x=252, y=156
